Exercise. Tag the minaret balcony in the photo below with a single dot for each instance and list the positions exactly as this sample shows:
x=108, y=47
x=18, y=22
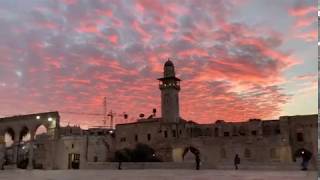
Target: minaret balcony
x=167, y=86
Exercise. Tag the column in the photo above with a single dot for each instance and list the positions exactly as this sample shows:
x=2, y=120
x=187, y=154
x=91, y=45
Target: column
x=2, y=148
x=15, y=148
x=30, y=154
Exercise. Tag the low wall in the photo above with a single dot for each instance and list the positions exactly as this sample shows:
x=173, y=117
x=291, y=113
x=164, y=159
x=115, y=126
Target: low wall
x=138, y=165
x=191, y=165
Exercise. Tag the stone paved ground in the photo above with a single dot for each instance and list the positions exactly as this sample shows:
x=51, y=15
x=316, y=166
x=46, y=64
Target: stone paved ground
x=155, y=175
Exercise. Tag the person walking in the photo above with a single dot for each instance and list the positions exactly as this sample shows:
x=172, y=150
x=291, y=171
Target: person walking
x=236, y=161
x=306, y=157
x=197, y=161
x=119, y=165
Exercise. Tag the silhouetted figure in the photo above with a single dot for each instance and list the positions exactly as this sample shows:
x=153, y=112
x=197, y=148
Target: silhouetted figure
x=197, y=161
x=119, y=165
x=236, y=161
x=306, y=157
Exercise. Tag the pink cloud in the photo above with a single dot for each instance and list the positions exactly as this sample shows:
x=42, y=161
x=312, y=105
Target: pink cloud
x=303, y=10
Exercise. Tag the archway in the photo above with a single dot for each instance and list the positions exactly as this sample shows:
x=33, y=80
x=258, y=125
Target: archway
x=40, y=138
x=188, y=151
x=41, y=132
x=9, y=136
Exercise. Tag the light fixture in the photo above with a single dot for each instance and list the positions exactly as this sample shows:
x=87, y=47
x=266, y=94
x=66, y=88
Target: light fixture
x=50, y=119
x=38, y=117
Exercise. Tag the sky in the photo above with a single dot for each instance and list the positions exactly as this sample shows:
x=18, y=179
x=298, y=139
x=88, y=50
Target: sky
x=237, y=59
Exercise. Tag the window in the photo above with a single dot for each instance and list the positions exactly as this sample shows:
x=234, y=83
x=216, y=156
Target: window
x=72, y=146
x=254, y=133
x=174, y=133
x=300, y=137
x=277, y=131
x=76, y=157
x=136, y=138
x=149, y=137
x=180, y=132
x=95, y=159
x=123, y=139
x=247, y=153
x=216, y=132
x=165, y=134
x=225, y=134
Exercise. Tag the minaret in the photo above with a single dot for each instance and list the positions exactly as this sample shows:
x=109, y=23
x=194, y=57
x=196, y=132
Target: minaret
x=170, y=87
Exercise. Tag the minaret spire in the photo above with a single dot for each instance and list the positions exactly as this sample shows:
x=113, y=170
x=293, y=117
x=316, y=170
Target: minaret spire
x=170, y=87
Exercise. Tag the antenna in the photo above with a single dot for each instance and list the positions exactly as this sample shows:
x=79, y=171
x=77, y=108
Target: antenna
x=104, y=111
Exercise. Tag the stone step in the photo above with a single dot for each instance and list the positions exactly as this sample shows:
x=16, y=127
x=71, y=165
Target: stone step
x=10, y=167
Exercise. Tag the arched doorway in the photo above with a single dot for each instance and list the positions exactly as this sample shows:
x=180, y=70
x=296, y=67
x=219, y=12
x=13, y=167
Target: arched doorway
x=40, y=140
x=189, y=153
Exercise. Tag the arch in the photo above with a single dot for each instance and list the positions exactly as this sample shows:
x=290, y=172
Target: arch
x=9, y=136
x=191, y=149
x=40, y=130
x=24, y=134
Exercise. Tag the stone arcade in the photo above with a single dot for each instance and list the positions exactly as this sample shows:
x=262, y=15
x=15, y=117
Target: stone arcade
x=272, y=143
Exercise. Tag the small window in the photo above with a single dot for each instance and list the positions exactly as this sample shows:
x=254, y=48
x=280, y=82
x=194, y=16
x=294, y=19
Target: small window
x=300, y=137
x=165, y=134
x=216, y=132
x=247, y=153
x=254, y=133
x=180, y=132
x=149, y=137
x=100, y=133
x=136, y=138
x=226, y=134
x=278, y=131
x=123, y=139
x=95, y=159
x=174, y=133
x=72, y=146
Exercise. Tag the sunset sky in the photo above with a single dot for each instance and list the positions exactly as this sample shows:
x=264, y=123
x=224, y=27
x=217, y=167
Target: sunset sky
x=237, y=59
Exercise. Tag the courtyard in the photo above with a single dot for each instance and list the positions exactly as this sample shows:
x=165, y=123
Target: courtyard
x=156, y=175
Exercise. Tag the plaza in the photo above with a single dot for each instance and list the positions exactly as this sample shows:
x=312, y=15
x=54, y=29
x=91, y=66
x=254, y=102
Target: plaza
x=157, y=175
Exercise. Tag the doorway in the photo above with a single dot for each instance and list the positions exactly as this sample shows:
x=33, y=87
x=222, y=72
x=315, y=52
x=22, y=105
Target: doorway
x=74, y=161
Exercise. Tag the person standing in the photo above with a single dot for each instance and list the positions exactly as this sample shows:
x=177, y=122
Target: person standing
x=236, y=161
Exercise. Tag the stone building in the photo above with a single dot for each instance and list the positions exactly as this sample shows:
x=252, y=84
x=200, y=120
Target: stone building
x=257, y=142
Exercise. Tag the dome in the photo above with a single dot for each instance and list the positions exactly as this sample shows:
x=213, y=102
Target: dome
x=168, y=63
